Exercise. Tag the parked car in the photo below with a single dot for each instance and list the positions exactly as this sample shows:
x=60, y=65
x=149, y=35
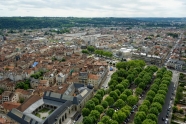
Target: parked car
x=166, y=121
x=163, y=119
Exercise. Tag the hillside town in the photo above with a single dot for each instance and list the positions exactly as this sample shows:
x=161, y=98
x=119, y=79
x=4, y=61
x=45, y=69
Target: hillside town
x=47, y=77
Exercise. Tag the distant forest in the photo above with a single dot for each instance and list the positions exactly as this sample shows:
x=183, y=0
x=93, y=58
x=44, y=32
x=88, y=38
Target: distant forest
x=60, y=22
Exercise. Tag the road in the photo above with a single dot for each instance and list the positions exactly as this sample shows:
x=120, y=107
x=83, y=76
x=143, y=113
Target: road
x=105, y=83
x=168, y=101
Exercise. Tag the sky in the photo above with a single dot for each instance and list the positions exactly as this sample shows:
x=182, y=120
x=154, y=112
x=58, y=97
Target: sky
x=93, y=8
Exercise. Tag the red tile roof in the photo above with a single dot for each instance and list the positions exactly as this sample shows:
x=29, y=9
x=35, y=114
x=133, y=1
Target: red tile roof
x=10, y=105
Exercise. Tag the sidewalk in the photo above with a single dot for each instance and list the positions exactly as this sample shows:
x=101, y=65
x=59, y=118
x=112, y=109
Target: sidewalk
x=178, y=122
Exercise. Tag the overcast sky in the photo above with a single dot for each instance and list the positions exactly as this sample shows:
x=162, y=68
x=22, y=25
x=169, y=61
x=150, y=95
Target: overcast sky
x=94, y=8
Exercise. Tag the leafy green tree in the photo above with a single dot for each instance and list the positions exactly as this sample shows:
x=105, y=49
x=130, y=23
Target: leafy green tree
x=154, y=110
x=122, y=73
x=147, y=78
x=21, y=99
x=101, y=92
x=104, y=104
x=151, y=93
x=90, y=105
x=157, y=105
x=113, y=122
x=122, y=65
x=87, y=120
x=147, y=103
x=130, y=78
x=137, y=120
x=128, y=92
x=127, y=107
x=138, y=91
x=143, y=108
x=154, y=89
x=142, y=85
x=132, y=100
x=112, y=82
x=120, y=87
x=160, y=95
x=123, y=97
x=117, y=91
x=100, y=122
x=85, y=51
x=163, y=88
x=95, y=100
x=139, y=117
x=95, y=115
x=85, y=112
x=23, y=85
x=148, y=121
x=162, y=92
x=110, y=100
x=149, y=98
x=99, y=52
x=119, y=103
x=91, y=48
x=121, y=117
x=152, y=117
x=110, y=112
x=115, y=116
x=99, y=108
x=137, y=81
x=181, y=111
x=165, y=81
x=1, y=91
x=159, y=100
x=175, y=109
x=99, y=97
x=105, y=120
x=179, y=94
x=157, y=81
x=114, y=95
x=125, y=84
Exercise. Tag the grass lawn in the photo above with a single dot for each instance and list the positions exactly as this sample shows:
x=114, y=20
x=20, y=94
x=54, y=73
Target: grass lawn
x=50, y=112
x=44, y=110
x=38, y=115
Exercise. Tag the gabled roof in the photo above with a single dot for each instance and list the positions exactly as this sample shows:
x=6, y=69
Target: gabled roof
x=10, y=105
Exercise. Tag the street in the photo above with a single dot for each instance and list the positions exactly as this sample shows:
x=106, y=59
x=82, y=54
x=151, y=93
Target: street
x=105, y=83
x=168, y=102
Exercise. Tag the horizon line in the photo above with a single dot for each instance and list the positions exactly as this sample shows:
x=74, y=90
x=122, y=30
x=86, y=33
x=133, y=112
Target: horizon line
x=86, y=17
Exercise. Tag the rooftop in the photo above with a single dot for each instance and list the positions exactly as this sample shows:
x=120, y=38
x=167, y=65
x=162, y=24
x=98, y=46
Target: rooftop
x=24, y=114
x=10, y=105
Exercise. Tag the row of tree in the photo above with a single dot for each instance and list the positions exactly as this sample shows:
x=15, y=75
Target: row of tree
x=58, y=22
x=144, y=79
x=103, y=53
x=118, y=103
x=152, y=105
x=174, y=35
x=37, y=75
x=91, y=49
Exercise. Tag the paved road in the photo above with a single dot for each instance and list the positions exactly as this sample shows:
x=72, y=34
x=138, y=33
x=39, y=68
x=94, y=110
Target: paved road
x=105, y=83
x=168, y=101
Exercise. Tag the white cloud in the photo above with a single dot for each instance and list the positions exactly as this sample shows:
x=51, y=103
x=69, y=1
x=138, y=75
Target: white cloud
x=94, y=8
